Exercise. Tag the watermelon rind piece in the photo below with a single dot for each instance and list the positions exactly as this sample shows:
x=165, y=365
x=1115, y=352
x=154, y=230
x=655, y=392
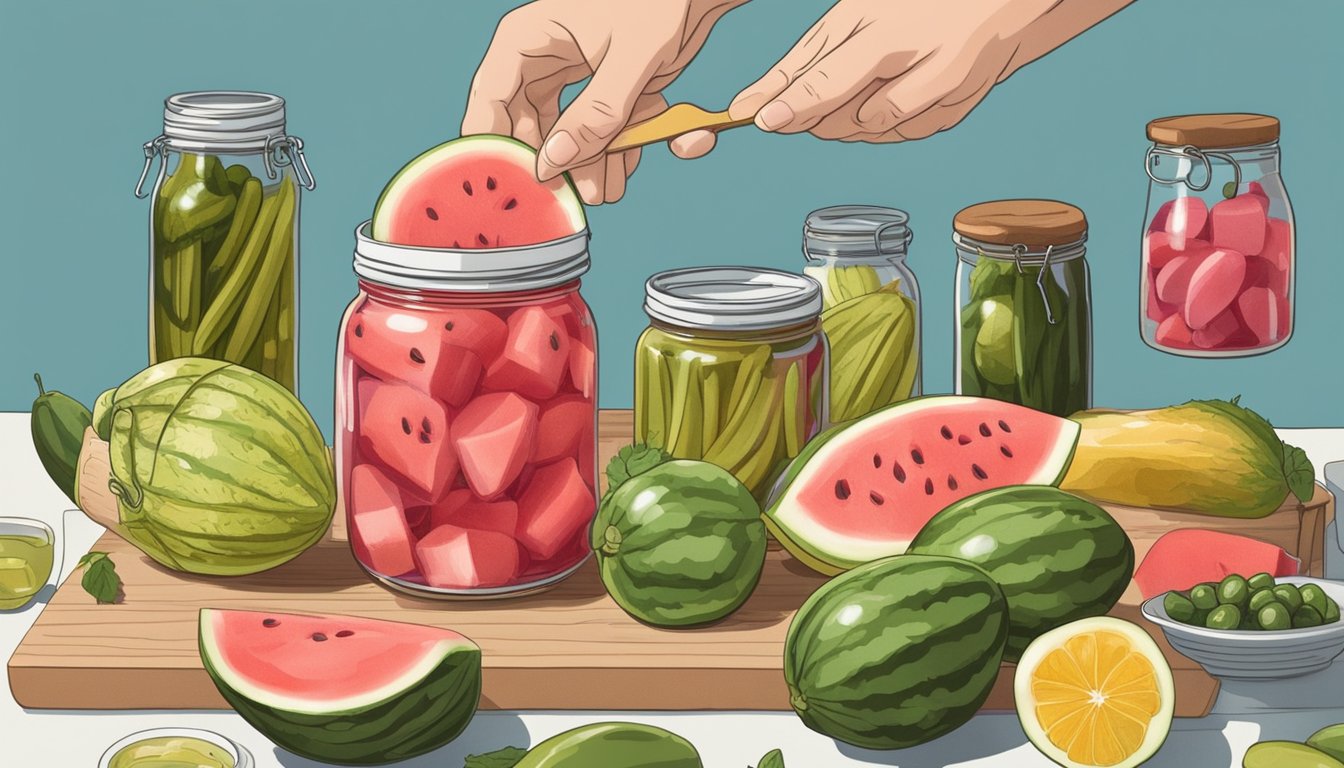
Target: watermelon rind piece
x=425, y=707
x=830, y=552
x=503, y=148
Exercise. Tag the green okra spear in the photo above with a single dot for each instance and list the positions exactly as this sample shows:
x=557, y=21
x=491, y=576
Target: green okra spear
x=278, y=250
x=244, y=216
x=240, y=279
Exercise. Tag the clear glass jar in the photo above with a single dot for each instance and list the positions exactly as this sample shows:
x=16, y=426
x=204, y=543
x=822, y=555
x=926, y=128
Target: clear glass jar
x=732, y=369
x=1024, y=305
x=466, y=416
x=1218, y=241
x=870, y=301
x=224, y=232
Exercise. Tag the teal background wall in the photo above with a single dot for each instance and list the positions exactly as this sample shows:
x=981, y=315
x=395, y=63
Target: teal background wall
x=370, y=85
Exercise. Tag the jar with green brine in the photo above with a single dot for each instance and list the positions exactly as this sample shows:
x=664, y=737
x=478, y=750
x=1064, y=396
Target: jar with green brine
x=870, y=302
x=732, y=369
x=1024, y=305
x=224, y=232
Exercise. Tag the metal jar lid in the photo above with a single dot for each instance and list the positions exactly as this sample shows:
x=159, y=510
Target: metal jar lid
x=731, y=298
x=223, y=117
x=857, y=231
x=482, y=270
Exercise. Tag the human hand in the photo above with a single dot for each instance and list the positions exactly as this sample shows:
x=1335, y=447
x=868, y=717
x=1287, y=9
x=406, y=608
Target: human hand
x=897, y=70
x=631, y=50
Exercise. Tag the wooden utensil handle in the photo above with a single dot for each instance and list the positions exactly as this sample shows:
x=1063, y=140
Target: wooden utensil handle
x=675, y=121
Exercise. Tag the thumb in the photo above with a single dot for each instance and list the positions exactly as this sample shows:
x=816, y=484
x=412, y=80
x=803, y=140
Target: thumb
x=596, y=115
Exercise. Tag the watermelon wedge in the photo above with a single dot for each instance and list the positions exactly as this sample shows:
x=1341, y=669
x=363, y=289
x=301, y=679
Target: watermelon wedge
x=1183, y=558
x=476, y=192
x=862, y=490
x=341, y=689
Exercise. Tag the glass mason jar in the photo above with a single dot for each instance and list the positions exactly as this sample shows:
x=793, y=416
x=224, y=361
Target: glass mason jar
x=1218, y=239
x=224, y=232
x=732, y=369
x=466, y=417
x=1024, y=305
x=870, y=302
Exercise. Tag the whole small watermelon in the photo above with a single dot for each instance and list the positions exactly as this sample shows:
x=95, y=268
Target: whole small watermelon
x=896, y=652
x=1058, y=558
x=217, y=469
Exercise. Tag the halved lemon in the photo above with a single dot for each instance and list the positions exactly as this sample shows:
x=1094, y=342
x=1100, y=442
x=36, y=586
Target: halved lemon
x=1095, y=692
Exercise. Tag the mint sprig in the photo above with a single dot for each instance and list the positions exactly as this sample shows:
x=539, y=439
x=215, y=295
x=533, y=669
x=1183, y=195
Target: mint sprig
x=100, y=578
x=773, y=759
x=633, y=460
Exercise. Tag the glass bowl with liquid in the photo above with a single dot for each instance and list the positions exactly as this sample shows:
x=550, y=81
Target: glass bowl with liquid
x=28, y=550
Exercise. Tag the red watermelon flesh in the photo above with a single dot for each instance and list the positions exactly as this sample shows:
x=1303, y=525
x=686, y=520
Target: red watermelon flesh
x=1173, y=332
x=379, y=532
x=1239, y=224
x=1224, y=331
x=494, y=435
x=1213, y=287
x=1174, y=279
x=582, y=368
x=478, y=330
x=534, y=357
x=460, y=558
x=564, y=422
x=408, y=432
x=1279, y=244
x=862, y=490
x=1264, y=314
x=557, y=506
x=1183, y=219
x=395, y=345
x=463, y=509
x=476, y=192
x=1183, y=558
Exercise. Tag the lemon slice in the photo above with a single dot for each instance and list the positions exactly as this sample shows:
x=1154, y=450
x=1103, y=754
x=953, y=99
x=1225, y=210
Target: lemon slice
x=1095, y=692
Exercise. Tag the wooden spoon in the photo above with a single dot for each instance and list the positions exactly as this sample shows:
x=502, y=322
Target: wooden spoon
x=674, y=121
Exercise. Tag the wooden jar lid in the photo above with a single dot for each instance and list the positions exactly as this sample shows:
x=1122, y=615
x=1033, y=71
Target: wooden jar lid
x=1214, y=131
x=1033, y=223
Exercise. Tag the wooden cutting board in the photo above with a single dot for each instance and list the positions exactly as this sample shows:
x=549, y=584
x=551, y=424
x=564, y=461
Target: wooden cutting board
x=570, y=648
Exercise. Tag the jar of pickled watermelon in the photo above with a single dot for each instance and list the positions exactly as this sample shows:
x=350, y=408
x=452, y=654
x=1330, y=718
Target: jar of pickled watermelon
x=732, y=369
x=1024, y=305
x=1218, y=261
x=466, y=416
x=870, y=302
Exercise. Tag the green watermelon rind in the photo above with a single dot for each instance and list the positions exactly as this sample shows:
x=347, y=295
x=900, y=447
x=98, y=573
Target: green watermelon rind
x=1057, y=557
x=509, y=148
x=426, y=708
x=896, y=652
x=787, y=520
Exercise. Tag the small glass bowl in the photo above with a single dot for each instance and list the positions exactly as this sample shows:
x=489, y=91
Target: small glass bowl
x=27, y=526
x=241, y=757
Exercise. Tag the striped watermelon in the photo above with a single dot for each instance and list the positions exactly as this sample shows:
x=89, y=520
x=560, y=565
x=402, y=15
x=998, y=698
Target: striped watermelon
x=1057, y=557
x=896, y=652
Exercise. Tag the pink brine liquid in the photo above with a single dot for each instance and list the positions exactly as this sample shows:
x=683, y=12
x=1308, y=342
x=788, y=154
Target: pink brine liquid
x=467, y=436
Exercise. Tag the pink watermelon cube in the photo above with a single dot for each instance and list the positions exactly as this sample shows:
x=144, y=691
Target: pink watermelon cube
x=408, y=432
x=1220, y=333
x=1173, y=282
x=1183, y=558
x=1279, y=245
x=534, y=357
x=563, y=424
x=1157, y=309
x=1240, y=224
x=450, y=557
x=1264, y=314
x=402, y=346
x=378, y=530
x=1260, y=273
x=556, y=506
x=1158, y=251
x=1173, y=332
x=494, y=435
x=478, y=330
x=462, y=509
x=1183, y=219
x=1254, y=188
x=582, y=368
x=1214, y=285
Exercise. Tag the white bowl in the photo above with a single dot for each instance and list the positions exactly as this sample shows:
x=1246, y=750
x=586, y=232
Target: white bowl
x=241, y=757
x=1248, y=654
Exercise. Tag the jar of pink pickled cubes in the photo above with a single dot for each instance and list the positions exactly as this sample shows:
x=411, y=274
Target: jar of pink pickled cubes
x=466, y=416
x=1218, y=243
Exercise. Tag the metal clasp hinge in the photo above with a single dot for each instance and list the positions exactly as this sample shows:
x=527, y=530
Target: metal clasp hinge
x=153, y=148
x=287, y=151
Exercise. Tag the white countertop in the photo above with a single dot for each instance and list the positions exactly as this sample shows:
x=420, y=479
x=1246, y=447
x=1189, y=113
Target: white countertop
x=1243, y=714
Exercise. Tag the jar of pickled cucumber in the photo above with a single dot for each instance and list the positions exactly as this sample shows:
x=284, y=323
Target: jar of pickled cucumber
x=1024, y=305
x=870, y=301
x=732, y=369
x=224, y=232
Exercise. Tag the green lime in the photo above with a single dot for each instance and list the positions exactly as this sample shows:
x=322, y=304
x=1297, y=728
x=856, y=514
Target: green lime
x=1224, y=617
x=1234, y=591
x=1289, y=596
x=1313, y=595
x=1306, y=616
x=1204, y=596
x=1261, y=598
x=994, y=352
x=1273, y=616
x=1261, y=580
x=1178, y=607
x=1331, y=611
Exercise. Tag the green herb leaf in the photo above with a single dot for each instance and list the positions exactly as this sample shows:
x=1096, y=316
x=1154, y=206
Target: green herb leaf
x=633, y=460
x=773, y=759
x=1300, y=474
x=501, y=758
x=100, y=577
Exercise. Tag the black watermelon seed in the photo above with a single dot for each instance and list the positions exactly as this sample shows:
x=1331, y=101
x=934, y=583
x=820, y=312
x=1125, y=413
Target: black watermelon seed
x=978, y=472
x=425, y=438
x=448, y=326
x=432, y=214
x=490, y=183
x=842, y=489
x=876, y=498
x=945, y=432
x=359, y=330
x=917, y=455
x=270, y=622
x=1006, y=451
x=405, y=425
x=319, y=637
x=424, y=424
x=898, y=472
x=510, y=204
x=466, y=187
x=344, y=633
x=963, y=440
x=555, y=341
x=951, y=483
x=416, y=356
x=1004, y=426
x=482, y=239
x=877, y=461
x=984, y=429
x=456, y=244
x=928, y=486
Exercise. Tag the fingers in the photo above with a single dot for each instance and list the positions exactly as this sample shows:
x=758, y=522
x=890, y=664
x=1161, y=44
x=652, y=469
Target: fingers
x=590, y=181
x=809, y=48
x=615, y=188
x=689, y=146
x=496, y=82
x=597, y=114
x=909, y=95
x=487, y=115
x=821, y=89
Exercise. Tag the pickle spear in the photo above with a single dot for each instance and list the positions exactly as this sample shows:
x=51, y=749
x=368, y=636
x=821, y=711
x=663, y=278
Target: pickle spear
x=229, y=298
x=278, y=250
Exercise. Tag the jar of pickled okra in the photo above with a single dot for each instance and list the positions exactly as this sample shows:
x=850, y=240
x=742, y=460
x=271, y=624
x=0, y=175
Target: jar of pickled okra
x=1024, y=305
x=466, y=421
x=870, y=302
x=224, y=232
x=1218, y=262
x=732, y=369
